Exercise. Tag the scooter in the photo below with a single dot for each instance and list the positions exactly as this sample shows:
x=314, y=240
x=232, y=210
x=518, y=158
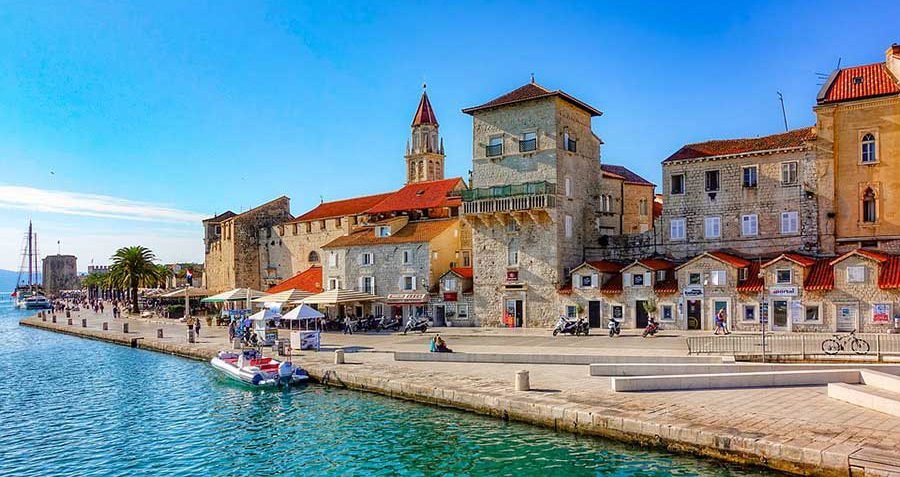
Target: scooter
x=416, y=324
x=386, y=323
x=651, y=329
x=614, y=326
x=572, y=327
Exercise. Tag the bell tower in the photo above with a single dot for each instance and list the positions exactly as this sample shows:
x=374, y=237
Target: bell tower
x=425, y=148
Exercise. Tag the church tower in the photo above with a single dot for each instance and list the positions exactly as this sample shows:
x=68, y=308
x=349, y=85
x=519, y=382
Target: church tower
x=425, y=148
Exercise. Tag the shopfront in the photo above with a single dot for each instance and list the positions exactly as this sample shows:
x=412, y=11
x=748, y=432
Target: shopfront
x=408, y=305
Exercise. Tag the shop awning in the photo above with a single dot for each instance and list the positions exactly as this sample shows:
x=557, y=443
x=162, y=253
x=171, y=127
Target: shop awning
x=288, y=296
x=337, y=297
x=191, y=292
x=407, y=298
x=237, y=294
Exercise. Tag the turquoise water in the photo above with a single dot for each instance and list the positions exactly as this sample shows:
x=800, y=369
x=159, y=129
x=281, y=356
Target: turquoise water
x=75, y=407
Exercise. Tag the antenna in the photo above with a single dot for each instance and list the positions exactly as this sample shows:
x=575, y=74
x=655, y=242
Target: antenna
x=783, y=114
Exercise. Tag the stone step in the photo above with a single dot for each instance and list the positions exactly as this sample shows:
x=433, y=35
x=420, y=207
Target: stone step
x=660, y=368
x=880, y=379
x=735, y=380
x=863, y=395
x=547, y=358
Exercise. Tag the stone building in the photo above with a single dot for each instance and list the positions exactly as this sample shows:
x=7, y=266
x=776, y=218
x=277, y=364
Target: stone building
x=595, y=285
x=59, y=272
x=233, y=241
x=859, y=155
x=626, y=202
x=752, y=196
x=533, y=202
x=455, y=300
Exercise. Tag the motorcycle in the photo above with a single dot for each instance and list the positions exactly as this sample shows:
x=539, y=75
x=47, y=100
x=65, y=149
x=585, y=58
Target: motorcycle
x=416, y=324
x=385, y=323
x=614, y=326
x=651, y=329
x=572, y=327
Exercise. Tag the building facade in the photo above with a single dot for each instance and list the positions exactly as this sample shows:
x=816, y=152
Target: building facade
x=59, y=272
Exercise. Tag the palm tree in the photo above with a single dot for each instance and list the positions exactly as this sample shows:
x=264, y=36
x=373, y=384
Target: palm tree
x=162, y=273
x=132, y=266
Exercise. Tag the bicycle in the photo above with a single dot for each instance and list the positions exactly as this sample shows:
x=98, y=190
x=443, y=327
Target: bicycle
x=833, y=346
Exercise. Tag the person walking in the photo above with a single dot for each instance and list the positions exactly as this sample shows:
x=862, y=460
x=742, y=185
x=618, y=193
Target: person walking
x=348, y=325
x=231, y=329
x=723, y=317
x=197, y=327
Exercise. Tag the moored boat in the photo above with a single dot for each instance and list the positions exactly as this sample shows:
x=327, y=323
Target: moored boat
x=37, y=302
x=251, y=367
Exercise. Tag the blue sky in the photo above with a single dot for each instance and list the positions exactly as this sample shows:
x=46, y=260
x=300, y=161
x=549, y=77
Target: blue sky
x=125, y=123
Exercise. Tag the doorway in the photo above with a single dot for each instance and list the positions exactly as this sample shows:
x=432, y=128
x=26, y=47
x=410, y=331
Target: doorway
x=439, y=315
x=641, y=317
x=594, y=320
x=847, y=315
x=694, y=315
x=779, y=315
x=514, y=313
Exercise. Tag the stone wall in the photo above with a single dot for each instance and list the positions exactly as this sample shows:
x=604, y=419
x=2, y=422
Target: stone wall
x=60, y=272
x=863, y=296
x=635, y=219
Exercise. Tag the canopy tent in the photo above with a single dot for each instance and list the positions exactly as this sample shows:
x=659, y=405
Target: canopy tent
x=191, y=292
x=304, y=313
x=237, y=294
x=288, y=296
x=338, y=297
x=264, y=314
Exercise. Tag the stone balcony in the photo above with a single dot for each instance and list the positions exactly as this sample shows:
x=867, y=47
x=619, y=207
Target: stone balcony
x=510, y=200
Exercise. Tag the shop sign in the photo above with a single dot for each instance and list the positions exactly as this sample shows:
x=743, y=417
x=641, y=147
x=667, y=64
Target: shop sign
x=450, y=296
x=693, y=292
x=407, y=298
x=512, y=275
x=783, y=291
x=881, y=312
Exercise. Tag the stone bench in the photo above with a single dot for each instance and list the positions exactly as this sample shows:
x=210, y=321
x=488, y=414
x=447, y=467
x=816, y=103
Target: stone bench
x=663, y=369
x=540, y=358
x=735, y=380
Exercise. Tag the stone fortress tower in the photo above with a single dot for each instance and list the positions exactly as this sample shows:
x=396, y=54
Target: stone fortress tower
x=425, y=149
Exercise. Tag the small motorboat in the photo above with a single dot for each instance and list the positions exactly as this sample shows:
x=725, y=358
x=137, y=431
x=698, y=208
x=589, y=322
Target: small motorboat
x=37, y=302
x=251, y=367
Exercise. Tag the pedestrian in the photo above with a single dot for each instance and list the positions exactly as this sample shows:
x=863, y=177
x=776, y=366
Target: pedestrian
x=231, y=326
x=197, y=327
x=348, y=325
x=723, y=318
x=720, y=326
x=101, y=307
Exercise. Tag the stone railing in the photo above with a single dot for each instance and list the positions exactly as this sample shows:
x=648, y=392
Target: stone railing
x=508, y=198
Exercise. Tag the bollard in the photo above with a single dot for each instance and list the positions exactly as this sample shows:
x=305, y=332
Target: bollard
x=236, y=343
x=68, y=314
x=125, y=328
x=522, y=383
x=43, y=318
x=84, y=322
x=54, y=318
x=191, y=337
x=105, y=326
x=159, y=333
x=69, y=321
x=339, y=356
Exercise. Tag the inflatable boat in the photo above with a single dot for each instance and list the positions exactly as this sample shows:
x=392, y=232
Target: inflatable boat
x=251, y=367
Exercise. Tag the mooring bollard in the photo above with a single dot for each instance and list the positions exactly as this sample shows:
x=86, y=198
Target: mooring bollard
x=43, y=318
x=84, y=322
x=339, y=356
x=69, y=321
x=159, y=333
x=105, y=326
x=191, y=337
x=124, y=327
x=522, y=383
x=68, y=314
x=54, y=318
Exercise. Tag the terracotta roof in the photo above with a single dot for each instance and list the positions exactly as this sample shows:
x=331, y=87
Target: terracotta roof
x=879, y=257
x=723, y=147
x=730, y=259
x=309, y=280
x=419, y=231
x=889, y=278
x=858, y=82
x=342, y=208
x=820, y=276
x=565, y=289
x=754, y=283
x=613, y=285
x=667, y=286
x=528, y=92
x=802, y=260
x=605, y=266
x=614, y=176
x=657, y=209
x=656, y=263
x=223, y=216
x=462, y=272
x=626, y=174
x=424, y=113
x=418, y=196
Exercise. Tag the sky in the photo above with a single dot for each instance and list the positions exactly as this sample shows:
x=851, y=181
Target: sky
x=127, y=123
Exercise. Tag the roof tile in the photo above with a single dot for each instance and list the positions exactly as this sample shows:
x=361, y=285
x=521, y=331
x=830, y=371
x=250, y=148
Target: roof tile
x=821, y=276
x=424, y=113
x=309, y=280
x=420, y=195
x=625, y=174
x=419, y=231
x=528, y=92
x=753, y=283
x=859, y=82
x=723, y=147
x=342, y=208
x=889, y=278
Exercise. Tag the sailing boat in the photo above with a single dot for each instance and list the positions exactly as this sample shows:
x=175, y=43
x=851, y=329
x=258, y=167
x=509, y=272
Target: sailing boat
x=28, y=293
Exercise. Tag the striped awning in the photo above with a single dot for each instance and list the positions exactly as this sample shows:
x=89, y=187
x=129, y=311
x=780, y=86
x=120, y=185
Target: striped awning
x=237, y=294
x=288, y=296
x=337, y=297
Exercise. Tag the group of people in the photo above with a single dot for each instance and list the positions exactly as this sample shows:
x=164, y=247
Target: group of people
x=193, y=322
x=721, y=323
x=438, y=345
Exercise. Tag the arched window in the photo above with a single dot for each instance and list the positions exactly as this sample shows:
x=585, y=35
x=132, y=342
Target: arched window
x=430, y=170
x=412, y=171
x=313, y=257
x=512, y=253
x=869, y=211
x=420, y=170
x=868, y=148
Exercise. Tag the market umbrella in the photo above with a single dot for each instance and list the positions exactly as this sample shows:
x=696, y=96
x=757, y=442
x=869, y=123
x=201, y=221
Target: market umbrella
x=191, y=292
x=303, y=313
x=237, y=294
x=337, y=297
x=288, y=296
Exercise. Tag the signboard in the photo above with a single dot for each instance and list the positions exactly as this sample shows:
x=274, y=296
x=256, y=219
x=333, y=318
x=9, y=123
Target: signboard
x=512, y=275
x=450, y=296
x=693, y=292
x=407, y=298
x=797, y=312
x=881, y=312
x=783, y=291
x=763, y=313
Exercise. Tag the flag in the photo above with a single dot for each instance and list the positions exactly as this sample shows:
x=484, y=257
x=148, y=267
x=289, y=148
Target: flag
x=190, y=277
x=14, y=294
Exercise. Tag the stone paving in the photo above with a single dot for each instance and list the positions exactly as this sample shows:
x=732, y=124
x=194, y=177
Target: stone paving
x=797, y=429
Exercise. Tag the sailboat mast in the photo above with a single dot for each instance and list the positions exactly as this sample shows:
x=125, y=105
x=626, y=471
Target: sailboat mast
x=36, y=255
x=30, y=271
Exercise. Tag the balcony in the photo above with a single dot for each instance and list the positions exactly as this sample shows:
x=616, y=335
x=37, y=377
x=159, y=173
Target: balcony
x=509, y=198
x=528, y=145
x=493, y=150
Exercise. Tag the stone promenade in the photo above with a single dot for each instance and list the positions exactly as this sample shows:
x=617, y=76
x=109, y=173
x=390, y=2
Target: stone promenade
x=794, y=429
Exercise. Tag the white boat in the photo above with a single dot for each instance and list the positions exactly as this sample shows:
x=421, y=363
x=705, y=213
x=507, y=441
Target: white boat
x=36, y=302
x=251, y=367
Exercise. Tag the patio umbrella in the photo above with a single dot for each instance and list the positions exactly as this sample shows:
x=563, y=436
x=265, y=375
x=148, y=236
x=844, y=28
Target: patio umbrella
x=288, y=296
x=191, y=291
x=237, y=294
x=303, y=313
x=337, y=297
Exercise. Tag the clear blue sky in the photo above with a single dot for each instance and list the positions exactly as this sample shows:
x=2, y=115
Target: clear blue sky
x=202, y=107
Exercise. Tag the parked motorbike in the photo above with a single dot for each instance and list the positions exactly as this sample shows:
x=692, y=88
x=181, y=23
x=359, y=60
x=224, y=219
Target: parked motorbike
x=366, y=323
x=614, y=326
x=416, y=324
x=651, y=329
x=572, y=327
x=388, y=323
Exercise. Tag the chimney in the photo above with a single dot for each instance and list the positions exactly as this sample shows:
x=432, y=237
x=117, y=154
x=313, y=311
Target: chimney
x=892, y=60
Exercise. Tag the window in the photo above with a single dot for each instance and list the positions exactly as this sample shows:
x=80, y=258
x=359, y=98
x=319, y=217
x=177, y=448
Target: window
x=749, y=313
x=568, y=187
x=868, y=149
x=667, y=313
x=750, y=176
x=856, y=274
x=782, y=276
x=637, y=280
x=618, y=312
x=749, y=225
x=713, y=227
x=588, y=281
x=528, y=142
x=569, y=226
x=789, y=223
x=571, y=311
x=870, y=214
x=322, y=224
x=332, y=259
x=450, y=285
x=569, y=144
x=512, y=253
x=407, y=256
x=789, y=172
x=712, y=181
x=676, y=229
x=494, y=147
x=642, y=206
x=334, y=284
x=309, y=227
x=466, y=258
x=607, y=203
x=367, y=285
x=811, y=312
x=512, y=226
x=313, y=257
x=743, y=273
x=463, y=311
x=382, y=231
x=408, y=283
x=695, y=279
x=677, y=184
x=660, y=275
x=366, y=259
x=717, y=278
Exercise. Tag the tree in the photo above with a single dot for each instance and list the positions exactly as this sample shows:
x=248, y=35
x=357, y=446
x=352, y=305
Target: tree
x=132, y=267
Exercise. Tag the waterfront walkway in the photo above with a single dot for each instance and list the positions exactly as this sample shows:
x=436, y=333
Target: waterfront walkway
x=797, y=429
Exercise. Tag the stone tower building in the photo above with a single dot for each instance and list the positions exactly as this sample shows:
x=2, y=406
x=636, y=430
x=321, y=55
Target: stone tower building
x=60, y=272
x=425, y=148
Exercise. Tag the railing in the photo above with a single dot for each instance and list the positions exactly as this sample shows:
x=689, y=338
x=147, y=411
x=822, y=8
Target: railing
x=800, y=345
x=512, y=190
x=528, y=145
x=508, y=204
x=492, y=150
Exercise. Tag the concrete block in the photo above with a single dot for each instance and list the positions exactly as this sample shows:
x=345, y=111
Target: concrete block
x=881, y=380
x=734, y=380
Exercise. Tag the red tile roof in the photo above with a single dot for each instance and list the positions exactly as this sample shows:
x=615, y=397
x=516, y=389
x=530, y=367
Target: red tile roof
x=420, y=231
x=463, y=272
x=309, y=280
x=754, y=283
x=613, y=285
x=722, y=147
x=858, y=82
x=424, y=113
x=820, y=276
x=656, y=263
x=626, y=174
x=667, y=286
x=606, y=266
x=889, y=278
x=342, y=208
x=657, y=209
x=879, y=257
x=730, y=259
x=419, y=196
x=565, y=289
x=528, y=92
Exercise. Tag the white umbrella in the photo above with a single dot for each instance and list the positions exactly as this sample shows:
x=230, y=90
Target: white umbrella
x=292, y=295
x=304, y=313
x=237, y=294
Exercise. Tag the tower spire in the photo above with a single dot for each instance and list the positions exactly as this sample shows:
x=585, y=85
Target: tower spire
x=425, y=149
x=424, y=113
